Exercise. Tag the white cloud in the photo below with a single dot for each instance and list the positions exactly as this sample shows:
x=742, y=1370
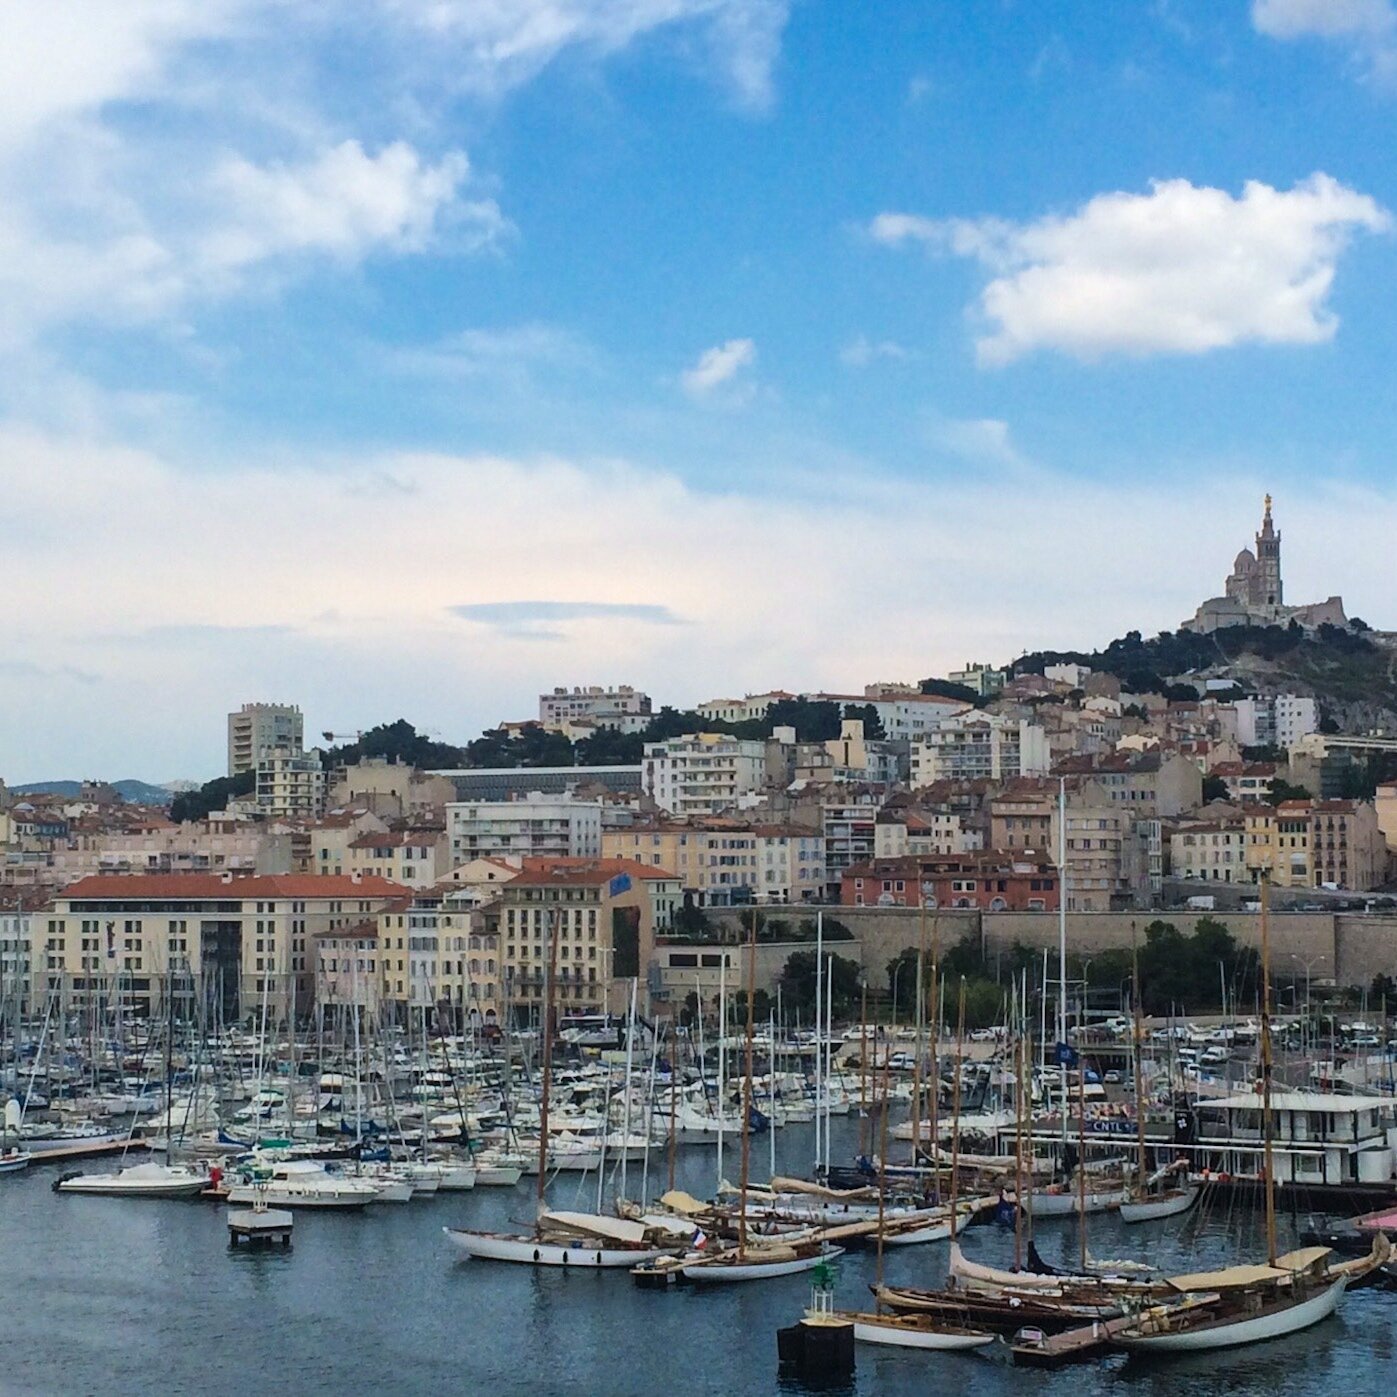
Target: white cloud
x=1293, y=19
x=983, y=439
x=263, y=615
x=345, y=203
x=153, y=152
x=718, y=366
x=496, y=44
x=861, y=351
x=1183, y=269
x=1368, y=28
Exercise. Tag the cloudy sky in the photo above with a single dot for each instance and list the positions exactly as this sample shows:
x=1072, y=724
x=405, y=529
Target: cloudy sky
x=404, y=357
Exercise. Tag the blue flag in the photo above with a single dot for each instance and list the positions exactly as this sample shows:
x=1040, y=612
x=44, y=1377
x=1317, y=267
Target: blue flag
x=621, y=883
x=1066, y=1055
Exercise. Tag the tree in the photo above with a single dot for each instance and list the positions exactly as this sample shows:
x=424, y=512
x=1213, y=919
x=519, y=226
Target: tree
x=691, y=920
x=762, y=1006
x=798, y=978
x=1214, y=788
x=815, y=720
x=1282, y=791
x=610, y=747
x=944, y=688
x=212, y=795
x=397, y=741
x=868, y=716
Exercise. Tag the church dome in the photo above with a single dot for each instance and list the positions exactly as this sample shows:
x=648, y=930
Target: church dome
x=1245, y=563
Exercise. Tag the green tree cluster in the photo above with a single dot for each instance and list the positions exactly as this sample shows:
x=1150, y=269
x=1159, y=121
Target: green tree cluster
x=211, y=796
x=798, y=979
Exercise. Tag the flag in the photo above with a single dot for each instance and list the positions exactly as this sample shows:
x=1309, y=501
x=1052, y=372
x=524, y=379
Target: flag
x=621, y=883
x=1066, y=1055
x=700, y=1239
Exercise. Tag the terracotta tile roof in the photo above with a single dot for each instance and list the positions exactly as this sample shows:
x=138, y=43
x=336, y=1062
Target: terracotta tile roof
x=582, y=872
x=195, y=887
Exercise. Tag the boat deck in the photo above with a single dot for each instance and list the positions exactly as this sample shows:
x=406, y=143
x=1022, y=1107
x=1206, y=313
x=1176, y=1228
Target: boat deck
x=1085, y=1341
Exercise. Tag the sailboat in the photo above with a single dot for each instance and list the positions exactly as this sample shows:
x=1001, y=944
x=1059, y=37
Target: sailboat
x=567, y=1239
x=764, y=1259
x=1150, y=1198
x=1251, y=1303
x=12, y=1159
x=921, y=1331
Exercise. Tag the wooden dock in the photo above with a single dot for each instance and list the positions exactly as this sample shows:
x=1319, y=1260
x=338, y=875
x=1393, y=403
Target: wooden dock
x=81, y=1151
x=260, y=1227
x=1085, y=1341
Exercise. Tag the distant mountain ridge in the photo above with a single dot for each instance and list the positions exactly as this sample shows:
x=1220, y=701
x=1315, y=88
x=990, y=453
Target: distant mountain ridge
x=137, y=792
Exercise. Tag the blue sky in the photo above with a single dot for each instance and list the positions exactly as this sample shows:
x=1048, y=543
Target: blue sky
x=749, y=342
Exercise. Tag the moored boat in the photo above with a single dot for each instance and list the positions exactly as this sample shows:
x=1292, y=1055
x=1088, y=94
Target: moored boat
x=147, y=1180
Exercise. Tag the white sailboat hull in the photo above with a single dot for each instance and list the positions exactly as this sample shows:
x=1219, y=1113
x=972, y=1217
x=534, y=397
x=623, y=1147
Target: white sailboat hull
x=1168, y=1206
x=935, y=1232
x=904, y=1336
x=1275, y=1325
x=575, y=1255
x=301, y=1198
x=720, y=1272
x=13, y=1163
x=497, y=1175
x=1055, y=1205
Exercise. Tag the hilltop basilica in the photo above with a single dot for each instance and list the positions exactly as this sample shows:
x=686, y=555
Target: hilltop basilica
x=1253, y=593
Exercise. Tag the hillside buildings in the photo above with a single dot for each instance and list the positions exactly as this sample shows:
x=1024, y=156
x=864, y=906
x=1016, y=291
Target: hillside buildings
x=623, y=708
x=702, y=774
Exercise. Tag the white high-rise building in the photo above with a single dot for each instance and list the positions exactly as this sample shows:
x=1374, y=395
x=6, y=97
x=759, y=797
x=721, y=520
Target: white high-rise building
x=537, y=826
x=703, y=773
x=624, y=708
x=257, y=729
x=980, y=746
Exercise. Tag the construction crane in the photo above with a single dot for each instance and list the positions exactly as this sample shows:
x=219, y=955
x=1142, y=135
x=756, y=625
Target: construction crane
x=342, y=736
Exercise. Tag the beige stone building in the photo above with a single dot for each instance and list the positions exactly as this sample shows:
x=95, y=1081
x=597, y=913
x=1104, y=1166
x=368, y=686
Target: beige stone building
x=1347, y=846
x=416, y=858
x=1278, y=844
x=606, y=913
x=237, y=941
x=1214, y=852
x=259, y=728
x=440, y=953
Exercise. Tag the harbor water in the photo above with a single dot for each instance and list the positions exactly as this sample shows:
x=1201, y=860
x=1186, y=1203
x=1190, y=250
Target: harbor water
x=115, y=1296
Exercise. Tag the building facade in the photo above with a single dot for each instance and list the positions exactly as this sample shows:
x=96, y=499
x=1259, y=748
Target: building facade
x=980, y=746
x=702, y=774
x=623, y=708
x=537, y=826
x=258, y=728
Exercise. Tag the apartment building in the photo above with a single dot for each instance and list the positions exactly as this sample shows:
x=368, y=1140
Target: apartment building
x=753, y=707
x=536, y=826
x=415, y=858
x=1149, y=784
x=1213, y=852
x=1278, y=720
x=850, y=832
x=1347, y=847
x=899, y=830
x=208, y=847
x=606, y=913
x=623, y=708
x=990, y=880
x=1248, y=783
x=1278, y=843
x=440, y=954
x=703, y=773
x=242, y=941
x=980, y=746
x=257, y=729
x=1108, y=854
x=17, y=911
x=290, y=785
x=722, y=863
x=1021, y=816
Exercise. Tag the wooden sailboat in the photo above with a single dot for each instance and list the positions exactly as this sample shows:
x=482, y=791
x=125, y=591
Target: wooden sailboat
x=1147, y=1201
x=762, y=1260
x=922, y=1331
x=565, y=1239
x=1251, y=1303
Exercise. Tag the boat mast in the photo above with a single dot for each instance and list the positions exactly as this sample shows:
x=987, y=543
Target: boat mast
x=917, y=1056
x=933, y=991
x=747, y=1088
x=955, y=1125
x=883, y=1157
x=1081, y=1160
x=1267, y=1127
x=1062, y=950
x=1139, y=1037
x=863, y=1078
x=549, y=976
x=1020, y=1058
x=819, y=1007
